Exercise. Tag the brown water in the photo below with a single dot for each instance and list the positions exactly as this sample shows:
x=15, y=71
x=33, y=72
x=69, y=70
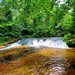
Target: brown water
x=31, y=61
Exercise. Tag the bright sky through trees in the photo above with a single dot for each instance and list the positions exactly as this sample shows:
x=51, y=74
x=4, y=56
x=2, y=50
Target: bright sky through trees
x=0, y=0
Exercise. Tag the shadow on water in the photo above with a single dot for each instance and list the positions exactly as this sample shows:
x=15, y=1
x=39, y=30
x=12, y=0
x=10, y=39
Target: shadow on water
x=18, y=53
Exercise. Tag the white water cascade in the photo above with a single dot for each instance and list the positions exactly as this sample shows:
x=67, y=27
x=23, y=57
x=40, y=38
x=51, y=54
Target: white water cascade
x=53, y=42
x=37, y=42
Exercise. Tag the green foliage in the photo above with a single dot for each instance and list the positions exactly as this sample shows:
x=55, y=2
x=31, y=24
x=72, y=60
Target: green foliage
x=70, y=39
x=36, y=18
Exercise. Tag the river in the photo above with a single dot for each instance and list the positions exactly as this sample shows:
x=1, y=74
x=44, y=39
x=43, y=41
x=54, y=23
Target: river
x=44, y=60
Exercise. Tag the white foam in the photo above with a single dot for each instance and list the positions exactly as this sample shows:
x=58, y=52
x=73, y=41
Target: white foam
x=37, y=42
x=56, y=43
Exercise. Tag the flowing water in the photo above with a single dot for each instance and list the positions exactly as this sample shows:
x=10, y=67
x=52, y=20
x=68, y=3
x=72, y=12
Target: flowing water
x=32, y=60
x=49, y=42
x=37, y=42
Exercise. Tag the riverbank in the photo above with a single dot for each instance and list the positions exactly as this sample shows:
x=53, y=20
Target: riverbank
x=7, y=42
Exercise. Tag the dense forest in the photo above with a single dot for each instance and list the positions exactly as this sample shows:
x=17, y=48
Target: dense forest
x=37, y=18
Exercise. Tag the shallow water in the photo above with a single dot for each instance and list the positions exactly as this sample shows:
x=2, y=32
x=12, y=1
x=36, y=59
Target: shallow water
x=33, y=61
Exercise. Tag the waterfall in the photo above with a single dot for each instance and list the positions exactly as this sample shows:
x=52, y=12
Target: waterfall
x=49, y=42
x=55, y=42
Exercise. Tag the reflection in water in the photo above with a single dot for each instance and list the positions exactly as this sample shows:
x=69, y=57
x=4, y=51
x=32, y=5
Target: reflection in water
x=58, y=66
x=47, y=61
x=57, y=71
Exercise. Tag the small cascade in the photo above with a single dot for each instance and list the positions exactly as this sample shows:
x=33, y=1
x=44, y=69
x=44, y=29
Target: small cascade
x=53, y=42
x=37, y=42
x=40, y=42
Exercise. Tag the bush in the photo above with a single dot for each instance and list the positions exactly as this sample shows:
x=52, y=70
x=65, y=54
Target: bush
x=70, y=39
